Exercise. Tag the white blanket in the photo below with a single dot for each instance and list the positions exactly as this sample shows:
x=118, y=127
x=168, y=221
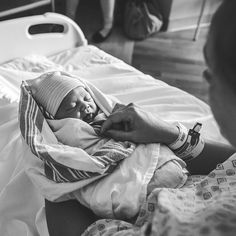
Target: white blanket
x=111, y=76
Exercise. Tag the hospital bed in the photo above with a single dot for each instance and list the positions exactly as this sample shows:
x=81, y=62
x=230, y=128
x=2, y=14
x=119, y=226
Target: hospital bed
x=24, y=56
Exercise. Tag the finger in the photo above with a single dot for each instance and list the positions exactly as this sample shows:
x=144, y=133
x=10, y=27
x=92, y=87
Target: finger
x=106, y=125
x=126, y=126
x=118, y=107
x=119, y=135
x=113, y=119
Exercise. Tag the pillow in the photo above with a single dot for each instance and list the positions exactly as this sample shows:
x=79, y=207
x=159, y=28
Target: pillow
x=16, y=70
x=32, y=63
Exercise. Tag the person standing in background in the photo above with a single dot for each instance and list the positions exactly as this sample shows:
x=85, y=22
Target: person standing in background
x=107, y=6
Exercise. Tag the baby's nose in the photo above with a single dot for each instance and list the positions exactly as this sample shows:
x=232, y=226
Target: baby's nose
x=87, y=109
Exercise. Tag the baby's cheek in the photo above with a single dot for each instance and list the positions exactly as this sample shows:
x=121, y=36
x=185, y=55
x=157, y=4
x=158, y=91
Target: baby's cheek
x=95, y=108
x=75, y=115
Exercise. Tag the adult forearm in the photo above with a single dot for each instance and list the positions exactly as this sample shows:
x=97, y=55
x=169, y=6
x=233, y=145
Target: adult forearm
x=213, y=154
x=144, y=127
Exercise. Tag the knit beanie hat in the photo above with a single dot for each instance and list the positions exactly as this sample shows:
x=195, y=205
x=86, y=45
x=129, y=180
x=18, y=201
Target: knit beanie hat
x=50, y=89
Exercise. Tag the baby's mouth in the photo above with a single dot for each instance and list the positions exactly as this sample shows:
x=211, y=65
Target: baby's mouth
x=88, y=118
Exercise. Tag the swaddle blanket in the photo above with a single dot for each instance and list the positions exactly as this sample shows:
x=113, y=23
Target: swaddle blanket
x=70, y=172
x=61, y=163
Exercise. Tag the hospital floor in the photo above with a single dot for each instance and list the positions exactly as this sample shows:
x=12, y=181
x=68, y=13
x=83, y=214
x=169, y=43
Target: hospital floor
x=170, y=56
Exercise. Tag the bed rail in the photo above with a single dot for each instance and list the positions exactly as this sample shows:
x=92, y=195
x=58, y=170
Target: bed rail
x=16, y=40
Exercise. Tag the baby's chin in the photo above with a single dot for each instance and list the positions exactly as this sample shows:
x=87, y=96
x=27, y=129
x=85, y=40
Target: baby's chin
x=89, y=118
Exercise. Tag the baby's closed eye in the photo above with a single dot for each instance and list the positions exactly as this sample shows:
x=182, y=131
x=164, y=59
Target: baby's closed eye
x=88, y=97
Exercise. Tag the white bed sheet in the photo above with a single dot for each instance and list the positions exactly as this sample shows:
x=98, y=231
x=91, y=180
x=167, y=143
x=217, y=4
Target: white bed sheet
x=21, y=206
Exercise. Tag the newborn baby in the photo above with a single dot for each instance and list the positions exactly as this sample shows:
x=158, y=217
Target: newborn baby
x=63, y=96
x=69, y=99
x=77, y=118
x=77, y=104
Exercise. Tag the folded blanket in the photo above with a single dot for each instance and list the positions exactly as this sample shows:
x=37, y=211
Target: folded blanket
x=70, y=172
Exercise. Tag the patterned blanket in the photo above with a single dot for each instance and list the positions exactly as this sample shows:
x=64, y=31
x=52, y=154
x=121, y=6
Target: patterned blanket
x=205, y=207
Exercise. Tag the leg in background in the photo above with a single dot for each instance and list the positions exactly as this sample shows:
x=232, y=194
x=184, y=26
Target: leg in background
x=68, y=218
x=71, y=8
x=108, y=7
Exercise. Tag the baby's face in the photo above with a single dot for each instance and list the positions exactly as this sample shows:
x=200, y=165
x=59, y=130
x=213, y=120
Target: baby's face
x=77, y=104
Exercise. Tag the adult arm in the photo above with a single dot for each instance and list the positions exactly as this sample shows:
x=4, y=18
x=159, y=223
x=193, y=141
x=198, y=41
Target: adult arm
x=213, y=154
x=143, y=127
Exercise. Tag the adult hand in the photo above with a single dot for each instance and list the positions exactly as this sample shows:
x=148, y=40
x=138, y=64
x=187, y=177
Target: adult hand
x=131, y=123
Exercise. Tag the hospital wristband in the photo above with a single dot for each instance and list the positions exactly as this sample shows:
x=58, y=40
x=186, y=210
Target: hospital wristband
x=193, y=145
x=182, y=137
x=195, y=151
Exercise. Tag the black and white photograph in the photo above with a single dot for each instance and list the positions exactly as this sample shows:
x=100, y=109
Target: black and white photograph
x=117, y=118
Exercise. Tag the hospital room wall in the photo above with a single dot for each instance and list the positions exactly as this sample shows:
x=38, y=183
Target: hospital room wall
x=183, y=14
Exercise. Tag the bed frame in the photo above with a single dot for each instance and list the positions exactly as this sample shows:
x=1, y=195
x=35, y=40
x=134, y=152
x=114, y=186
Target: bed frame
x=42, y=43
